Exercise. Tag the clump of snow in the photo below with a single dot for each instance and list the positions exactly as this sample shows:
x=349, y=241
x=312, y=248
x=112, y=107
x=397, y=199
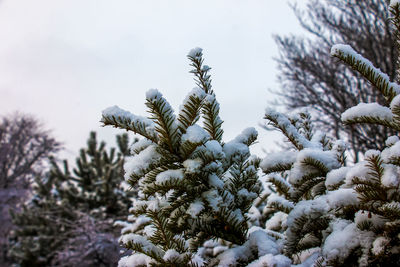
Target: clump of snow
x=169, y=175
x=196, y=93
x=280, y=201
x=342, y=197
x=122, y=114
x=258, y=241
x=149, y=230
x=171, y=254
x=195, y=52
x=247, y=134
x=195, y=208
x=391, y=176
x=195, y=134
x=137, y=164
x=391, y=140
x=233, y=148
x=278, y=158
x=197, y=260
x=213, y=199
x=360, y=170
x=379, y=245
x=146, y=245
x=140, y=145
x=135, y=260
x=277, y=221
x=344, y=238
x=339, y=146
x=372, y=153
x=153, y=94
x=391, y=152
x=326, y=158
x=214, y=148
x=368, y=110
x=311, y=208
x=395, y=102
x=336, y=177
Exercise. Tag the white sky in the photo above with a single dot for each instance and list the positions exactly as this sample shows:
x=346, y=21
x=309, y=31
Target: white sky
x=67, y=60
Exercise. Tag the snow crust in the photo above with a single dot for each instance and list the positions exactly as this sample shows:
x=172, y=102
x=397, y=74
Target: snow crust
x=368, y=110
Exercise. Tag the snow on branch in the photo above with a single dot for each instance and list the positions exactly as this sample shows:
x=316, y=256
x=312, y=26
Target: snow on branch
x=379, y=79
x=123, y=119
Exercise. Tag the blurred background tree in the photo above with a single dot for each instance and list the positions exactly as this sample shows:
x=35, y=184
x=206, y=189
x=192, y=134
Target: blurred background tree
x=69, y=220
x=25, y=147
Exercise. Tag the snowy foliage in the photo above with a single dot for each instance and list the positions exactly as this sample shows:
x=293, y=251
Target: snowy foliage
x=200, y=202
x=192, y=186
x=327, y=214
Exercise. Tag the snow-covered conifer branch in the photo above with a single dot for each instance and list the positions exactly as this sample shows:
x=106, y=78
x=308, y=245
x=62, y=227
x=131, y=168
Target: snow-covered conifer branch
x=123, y=119
x=210, y=108
x=190, y=111
x=212, y=121
x=163, y=116
x=371, y=113
x=282, y=123
x=200, y=71
x=379, y=79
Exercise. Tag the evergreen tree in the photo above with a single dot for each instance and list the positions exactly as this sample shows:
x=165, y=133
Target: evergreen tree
x=333, y=215
x=95, y=183
x=69, y=219
x=193, y=187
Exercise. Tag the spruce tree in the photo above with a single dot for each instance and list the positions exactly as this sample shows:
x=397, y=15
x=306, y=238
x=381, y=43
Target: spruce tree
x=192, y=186
x=69, y=219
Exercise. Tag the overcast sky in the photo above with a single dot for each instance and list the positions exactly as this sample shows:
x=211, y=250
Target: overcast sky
x=66, y=60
